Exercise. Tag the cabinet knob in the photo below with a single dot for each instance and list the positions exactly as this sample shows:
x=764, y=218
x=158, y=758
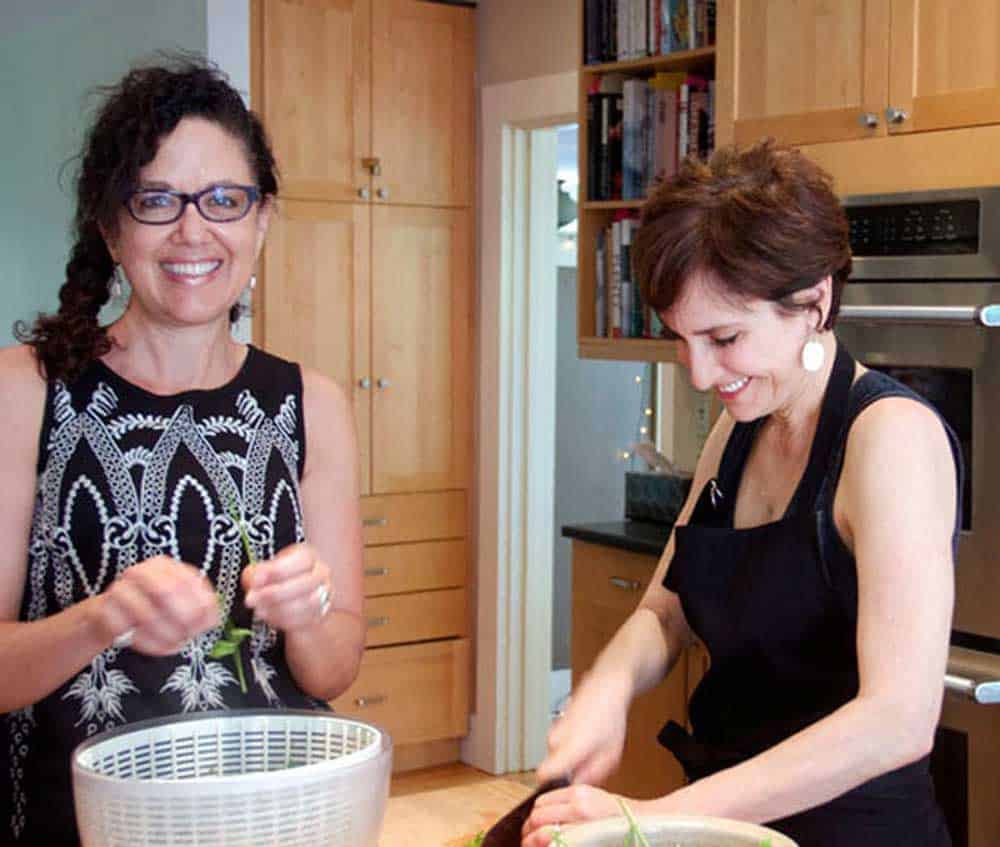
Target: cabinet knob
x=383, y=382
x=374, y=623
x=382, y=193
x=869, y=120
x=625, y=584
x=364, y=383
x=364, y=193
x=896, y=116
x=371, y=700
x=376, y=571
x=375, y=521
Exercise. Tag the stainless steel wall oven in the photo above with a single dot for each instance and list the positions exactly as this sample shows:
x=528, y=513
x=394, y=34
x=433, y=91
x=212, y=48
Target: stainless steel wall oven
x=923, y=304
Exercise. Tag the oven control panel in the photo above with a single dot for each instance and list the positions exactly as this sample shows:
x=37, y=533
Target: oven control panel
x=943, y=228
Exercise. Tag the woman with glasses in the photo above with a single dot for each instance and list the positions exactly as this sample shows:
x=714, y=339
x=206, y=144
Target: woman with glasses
x=181, y=510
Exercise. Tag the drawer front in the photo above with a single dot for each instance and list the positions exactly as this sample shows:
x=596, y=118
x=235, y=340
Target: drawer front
x=425, y=566
x=418, y=693
x=396, y=518
x=610, y=579
x=405, y=618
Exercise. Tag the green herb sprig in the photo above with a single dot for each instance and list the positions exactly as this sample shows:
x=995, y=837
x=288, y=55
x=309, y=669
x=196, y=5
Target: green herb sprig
x=232, y=635
x=634, y=836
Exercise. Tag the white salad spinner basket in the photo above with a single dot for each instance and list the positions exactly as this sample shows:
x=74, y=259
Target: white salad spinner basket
x=283, y=778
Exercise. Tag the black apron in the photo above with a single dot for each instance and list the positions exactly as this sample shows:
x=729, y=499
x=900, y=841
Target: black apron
x=779, y=622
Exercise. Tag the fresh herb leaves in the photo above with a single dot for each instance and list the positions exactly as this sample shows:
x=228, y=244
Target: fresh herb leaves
x=232, y=635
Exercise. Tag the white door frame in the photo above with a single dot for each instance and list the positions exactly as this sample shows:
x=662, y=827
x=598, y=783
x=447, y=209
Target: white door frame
x=516, y=420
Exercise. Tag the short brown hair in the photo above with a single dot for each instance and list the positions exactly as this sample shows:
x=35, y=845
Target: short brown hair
x=764, y=222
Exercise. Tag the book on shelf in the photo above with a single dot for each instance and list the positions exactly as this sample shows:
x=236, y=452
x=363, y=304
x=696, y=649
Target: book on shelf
x=619, y=311
x=639, y=129
x=623, y=30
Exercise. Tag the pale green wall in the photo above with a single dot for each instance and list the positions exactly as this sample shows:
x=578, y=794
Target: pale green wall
x=52, y=54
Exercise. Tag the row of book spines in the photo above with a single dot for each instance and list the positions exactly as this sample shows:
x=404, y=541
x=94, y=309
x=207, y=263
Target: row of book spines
x=619, y=311
x=620, y=30
x=641, y=129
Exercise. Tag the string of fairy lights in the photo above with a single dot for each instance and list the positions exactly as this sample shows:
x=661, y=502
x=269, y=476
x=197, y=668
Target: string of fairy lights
x=644, y=424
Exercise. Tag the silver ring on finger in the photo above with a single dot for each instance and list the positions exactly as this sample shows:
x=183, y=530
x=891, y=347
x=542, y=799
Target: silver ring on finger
x=323, y=596
x=125, y=639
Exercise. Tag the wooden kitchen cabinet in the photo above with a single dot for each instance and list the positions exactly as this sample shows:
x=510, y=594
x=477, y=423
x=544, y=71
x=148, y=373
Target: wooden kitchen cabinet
x=368, y=101
x=816, y=71
x=607, y=585
x=392, y=328
x=367, y=276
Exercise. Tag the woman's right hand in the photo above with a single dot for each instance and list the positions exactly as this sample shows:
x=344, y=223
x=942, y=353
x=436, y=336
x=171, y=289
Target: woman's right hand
x=157, y=606
x=586, y=743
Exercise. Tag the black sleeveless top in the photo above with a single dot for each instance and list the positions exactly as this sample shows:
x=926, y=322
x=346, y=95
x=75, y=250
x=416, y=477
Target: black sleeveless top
x=124, y=475
x=776, y=606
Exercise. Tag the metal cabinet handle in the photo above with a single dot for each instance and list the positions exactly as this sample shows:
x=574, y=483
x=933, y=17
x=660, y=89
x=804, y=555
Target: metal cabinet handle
x=364, y=193
x=383, y=383
x=364, y=383
x=625, y=584
x=896, y=116
x=986, y=692
x=374, y=521
x=374, y=623
x=373, y=700
x=376, y=571
x=987, y=315
x=869, y=120
x=382, y=193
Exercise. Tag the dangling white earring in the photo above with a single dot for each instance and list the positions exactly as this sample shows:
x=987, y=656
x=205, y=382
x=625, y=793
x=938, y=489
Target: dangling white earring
x=253, y=281
x=813, y=355
x=116, y=287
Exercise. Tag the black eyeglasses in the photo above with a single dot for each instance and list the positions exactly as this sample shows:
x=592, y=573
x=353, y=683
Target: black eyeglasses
x=217, y=203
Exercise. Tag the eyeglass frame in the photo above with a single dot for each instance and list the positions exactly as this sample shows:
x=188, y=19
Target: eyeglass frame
x=253, y=193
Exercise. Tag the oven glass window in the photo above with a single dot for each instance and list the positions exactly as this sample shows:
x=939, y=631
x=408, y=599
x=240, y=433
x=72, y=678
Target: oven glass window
x=950, y=391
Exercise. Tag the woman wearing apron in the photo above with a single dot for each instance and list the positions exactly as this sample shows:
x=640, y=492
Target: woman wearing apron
x=815, y=555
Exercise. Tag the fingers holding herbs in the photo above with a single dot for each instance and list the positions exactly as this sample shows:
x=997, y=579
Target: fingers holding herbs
x=155, y=607
x=292, y=591
x=574, y=804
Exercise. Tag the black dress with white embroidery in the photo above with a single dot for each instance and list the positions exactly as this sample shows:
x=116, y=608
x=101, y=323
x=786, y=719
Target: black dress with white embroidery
x=124, y=475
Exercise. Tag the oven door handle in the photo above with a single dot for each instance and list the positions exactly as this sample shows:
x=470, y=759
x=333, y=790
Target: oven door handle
x=987, y=316
x=986, y=692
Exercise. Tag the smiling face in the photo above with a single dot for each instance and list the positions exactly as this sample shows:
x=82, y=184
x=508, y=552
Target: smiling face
x=190, y=272
x=748, y=353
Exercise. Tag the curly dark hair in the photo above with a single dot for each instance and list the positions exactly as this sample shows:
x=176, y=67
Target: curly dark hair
x=763, y=222
x=134, y=117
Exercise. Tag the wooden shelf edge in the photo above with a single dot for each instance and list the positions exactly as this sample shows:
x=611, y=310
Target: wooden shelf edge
x=628, y=349
x=666, y=62
x=612, y=205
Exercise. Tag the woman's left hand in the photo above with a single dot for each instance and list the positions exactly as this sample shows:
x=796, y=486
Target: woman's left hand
x=574, y=804
x=292, y=591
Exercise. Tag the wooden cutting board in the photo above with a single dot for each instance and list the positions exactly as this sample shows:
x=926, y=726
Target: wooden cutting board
x=448, y=817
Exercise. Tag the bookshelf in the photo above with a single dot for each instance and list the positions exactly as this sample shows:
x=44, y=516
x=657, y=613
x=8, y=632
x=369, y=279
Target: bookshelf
x=595, y=215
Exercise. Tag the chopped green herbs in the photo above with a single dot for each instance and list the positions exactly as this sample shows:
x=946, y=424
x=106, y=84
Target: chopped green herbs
x=233, y=636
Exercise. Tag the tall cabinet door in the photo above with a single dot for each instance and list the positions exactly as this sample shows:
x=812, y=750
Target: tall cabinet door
x=315, y=85
x=314, y=300
x=808, y=71
x=421, y=328
x=945, y=64
x=422, y=132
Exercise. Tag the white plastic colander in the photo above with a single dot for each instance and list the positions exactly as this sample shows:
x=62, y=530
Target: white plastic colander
x=283, y=778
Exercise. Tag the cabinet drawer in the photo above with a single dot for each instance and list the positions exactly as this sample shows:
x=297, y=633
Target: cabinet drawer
x=394, y=518
x=428, y=565
x=403, y=618
x=610, y=579
x=418, y=693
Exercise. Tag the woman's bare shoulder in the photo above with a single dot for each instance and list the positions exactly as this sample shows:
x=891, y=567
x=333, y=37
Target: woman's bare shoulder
x=20, y=375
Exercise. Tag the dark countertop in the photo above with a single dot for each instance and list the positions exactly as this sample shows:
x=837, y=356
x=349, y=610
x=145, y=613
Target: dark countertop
x=636, y=536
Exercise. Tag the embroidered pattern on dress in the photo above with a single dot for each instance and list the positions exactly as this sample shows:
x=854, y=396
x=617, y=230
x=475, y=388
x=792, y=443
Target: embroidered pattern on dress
x=138, y=504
